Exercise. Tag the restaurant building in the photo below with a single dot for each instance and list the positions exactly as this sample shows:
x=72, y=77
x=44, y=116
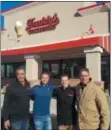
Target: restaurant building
x=58, y=37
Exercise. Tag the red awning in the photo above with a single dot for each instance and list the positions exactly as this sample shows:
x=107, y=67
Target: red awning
x=103, y=41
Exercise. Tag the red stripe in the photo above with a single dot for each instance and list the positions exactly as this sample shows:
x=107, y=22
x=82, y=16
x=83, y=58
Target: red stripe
x=91, y=6
x=18, y=6
x=106, y=44
x=109, y=43
x=55, y=46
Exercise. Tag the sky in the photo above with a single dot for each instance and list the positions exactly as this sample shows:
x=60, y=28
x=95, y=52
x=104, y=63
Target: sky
x=5, y=5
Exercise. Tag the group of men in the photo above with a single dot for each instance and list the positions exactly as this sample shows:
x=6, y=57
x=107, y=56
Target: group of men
x=91, y=113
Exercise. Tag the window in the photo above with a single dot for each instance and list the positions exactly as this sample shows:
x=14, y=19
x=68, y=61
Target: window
x=2, y=71
x=78, y=65
x=105, y=71
x=53, y=67
x=10, y=71
x=72, y=66
x=68, y=66
x=46, y=67
x=55, y=70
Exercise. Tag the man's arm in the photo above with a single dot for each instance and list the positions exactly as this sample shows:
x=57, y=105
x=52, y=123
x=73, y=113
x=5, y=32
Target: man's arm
x=103, y=108
x=6, y=104
x=32, y=93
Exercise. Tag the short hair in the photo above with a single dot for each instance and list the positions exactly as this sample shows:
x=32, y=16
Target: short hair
x=46, y=73
x=84, y=69
x=65, y=75
x=20, y=68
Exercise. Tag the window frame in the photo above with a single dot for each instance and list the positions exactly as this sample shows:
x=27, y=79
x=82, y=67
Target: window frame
x=61, y=62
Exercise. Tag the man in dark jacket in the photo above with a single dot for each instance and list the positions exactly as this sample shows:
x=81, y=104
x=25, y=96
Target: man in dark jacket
x=66, y=112
x=16, y=103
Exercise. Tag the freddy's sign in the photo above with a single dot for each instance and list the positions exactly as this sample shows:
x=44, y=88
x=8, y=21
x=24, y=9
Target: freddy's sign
x=44, y=24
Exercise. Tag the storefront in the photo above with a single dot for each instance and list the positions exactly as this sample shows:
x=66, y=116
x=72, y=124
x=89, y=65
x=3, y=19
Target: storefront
x=58, y=37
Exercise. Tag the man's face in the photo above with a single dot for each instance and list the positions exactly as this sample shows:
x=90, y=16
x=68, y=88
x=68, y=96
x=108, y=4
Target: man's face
x=65, y=81
x=20, y=75
x=45, y=78
x=84, y=77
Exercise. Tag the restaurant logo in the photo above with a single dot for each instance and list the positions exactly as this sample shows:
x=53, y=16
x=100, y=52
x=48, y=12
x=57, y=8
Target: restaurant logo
x=44, y=24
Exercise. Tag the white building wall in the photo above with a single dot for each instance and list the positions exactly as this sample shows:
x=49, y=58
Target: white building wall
x=69, y=28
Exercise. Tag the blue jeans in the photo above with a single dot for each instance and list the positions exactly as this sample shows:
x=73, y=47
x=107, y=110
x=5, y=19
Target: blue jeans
x=20, y=125
x=42, y=122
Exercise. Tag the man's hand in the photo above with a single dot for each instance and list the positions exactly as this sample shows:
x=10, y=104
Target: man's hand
x=7, y=124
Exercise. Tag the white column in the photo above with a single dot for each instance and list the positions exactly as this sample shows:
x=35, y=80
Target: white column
x=33, y=67
x=93, y=62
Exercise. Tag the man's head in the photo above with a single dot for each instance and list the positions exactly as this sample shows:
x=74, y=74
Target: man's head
x=84, y=75
x=45, y=77
x=20, y=74
x=65, y=80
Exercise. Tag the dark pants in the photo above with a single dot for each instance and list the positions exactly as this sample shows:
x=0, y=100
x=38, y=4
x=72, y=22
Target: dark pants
x=19, y=125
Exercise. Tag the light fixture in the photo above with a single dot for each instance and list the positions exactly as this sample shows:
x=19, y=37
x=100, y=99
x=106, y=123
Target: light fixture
x=19, y=28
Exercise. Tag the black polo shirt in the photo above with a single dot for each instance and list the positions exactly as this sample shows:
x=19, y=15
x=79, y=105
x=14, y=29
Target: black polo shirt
x=66, y=112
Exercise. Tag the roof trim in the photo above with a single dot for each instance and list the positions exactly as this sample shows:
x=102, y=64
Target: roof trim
x=56, y=46
x=3, y=13
x=91, y=6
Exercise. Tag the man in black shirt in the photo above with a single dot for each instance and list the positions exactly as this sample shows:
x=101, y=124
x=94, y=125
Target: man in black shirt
x=16, y=103
x=66, y=112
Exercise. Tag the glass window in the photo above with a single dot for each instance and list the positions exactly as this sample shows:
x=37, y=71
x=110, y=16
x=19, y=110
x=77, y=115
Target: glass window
x=10, y=71
x=79, y=64
x=2, y=71
x=64, y=66
x=52, y=67
x=55, y=70
x=46, y=67
x=72, y=66
x=105, y=71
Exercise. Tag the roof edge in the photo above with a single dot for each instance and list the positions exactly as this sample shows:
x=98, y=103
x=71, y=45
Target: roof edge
x=91, y=6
